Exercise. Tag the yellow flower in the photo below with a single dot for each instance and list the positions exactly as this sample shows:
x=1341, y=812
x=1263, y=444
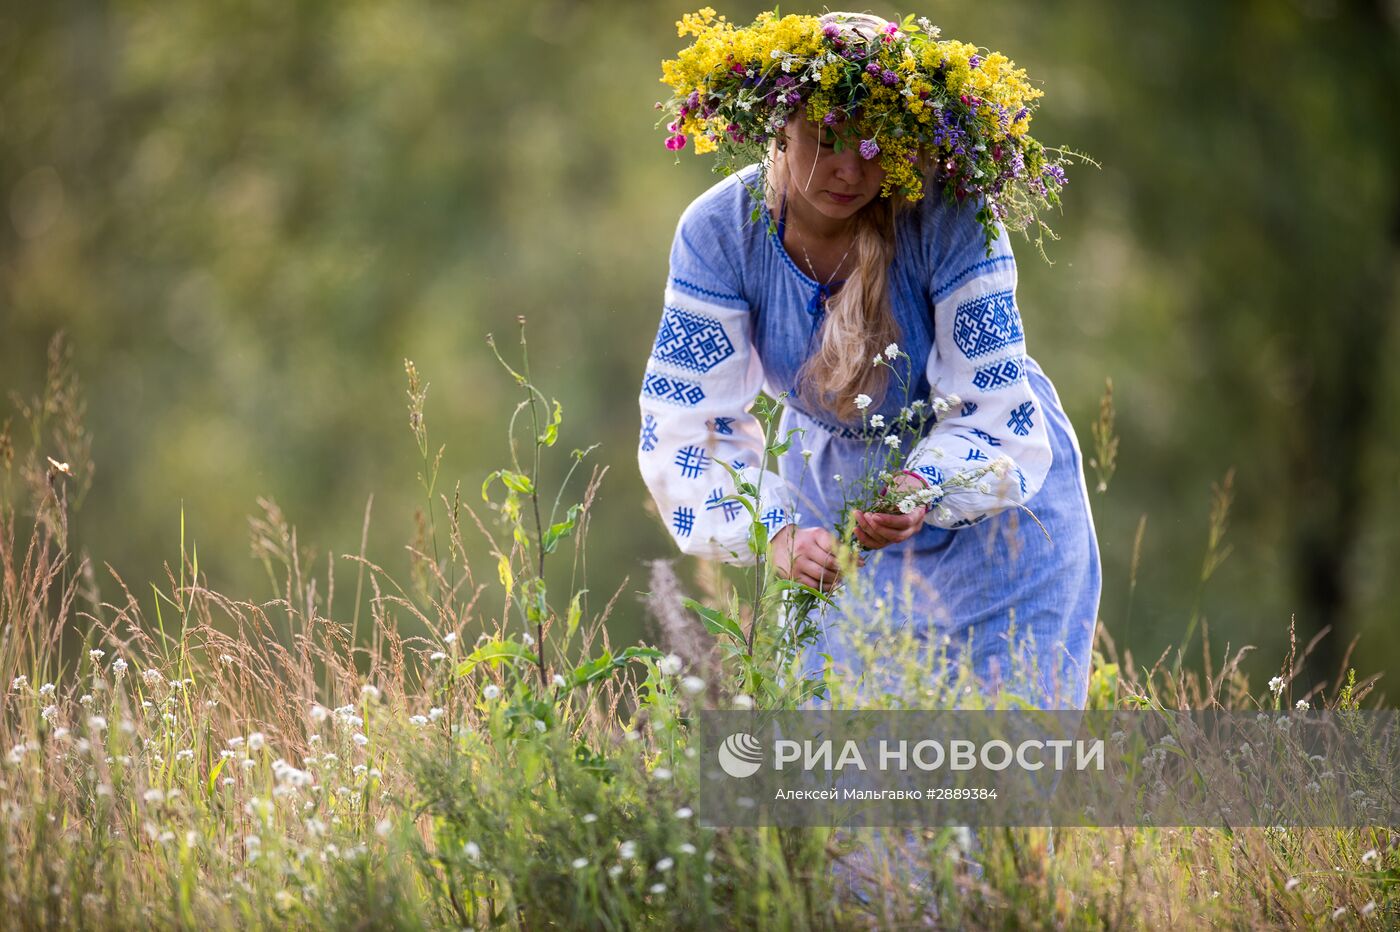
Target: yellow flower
x=696, y=23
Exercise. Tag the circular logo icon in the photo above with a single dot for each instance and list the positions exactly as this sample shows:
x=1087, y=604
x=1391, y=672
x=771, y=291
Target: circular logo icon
x=740, y=755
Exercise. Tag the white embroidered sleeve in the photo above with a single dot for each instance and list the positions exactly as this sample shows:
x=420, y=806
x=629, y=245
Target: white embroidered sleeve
x=701, y=380
x=979, y=355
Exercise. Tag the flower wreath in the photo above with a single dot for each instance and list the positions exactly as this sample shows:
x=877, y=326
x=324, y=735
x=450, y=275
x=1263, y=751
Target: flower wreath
x=928, y=108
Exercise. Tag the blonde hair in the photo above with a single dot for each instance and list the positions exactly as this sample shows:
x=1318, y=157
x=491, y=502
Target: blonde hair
x=859, y=321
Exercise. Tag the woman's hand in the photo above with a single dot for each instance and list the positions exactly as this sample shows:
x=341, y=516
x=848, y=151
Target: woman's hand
x=806, y=555
x=875, y=530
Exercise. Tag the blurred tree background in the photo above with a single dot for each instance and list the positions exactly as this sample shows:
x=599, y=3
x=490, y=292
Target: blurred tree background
x=247, y=214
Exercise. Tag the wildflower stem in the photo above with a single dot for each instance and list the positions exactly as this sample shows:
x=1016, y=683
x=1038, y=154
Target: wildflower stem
x=535, y=497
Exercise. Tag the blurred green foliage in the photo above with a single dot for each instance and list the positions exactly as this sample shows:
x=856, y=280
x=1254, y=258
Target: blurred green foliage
x=246, y=215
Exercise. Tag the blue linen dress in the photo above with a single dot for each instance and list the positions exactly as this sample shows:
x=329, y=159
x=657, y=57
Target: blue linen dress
x=980, y=576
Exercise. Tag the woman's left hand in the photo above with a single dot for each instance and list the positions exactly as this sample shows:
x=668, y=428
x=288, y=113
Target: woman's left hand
x=875, y=530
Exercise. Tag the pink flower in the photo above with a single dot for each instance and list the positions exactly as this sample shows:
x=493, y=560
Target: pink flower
x=676, y=142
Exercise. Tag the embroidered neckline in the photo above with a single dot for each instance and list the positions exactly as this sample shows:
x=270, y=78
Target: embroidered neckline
x=773, y=237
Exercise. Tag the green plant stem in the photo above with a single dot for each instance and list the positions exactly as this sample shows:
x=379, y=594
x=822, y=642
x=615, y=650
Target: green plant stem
x=535, y=498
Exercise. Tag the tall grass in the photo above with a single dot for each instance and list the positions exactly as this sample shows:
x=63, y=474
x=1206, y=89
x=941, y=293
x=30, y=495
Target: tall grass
x=176, y=757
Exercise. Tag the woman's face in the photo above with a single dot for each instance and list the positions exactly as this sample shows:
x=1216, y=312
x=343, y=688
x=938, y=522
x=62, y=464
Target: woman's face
x=835, y=184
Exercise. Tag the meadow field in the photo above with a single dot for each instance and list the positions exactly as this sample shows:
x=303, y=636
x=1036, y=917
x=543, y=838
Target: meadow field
x=175, y=757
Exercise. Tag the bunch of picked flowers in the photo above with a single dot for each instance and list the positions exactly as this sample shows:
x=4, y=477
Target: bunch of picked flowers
x=875, y=490
x=929, y=109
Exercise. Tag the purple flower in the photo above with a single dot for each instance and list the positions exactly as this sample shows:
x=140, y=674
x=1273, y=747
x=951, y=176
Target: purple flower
x=890, y=78
x=869, y=149
x=831, y=30
x=676, y=142
x=829, y=118
x=974, y=61
x=1057, y=173
x=872, y=68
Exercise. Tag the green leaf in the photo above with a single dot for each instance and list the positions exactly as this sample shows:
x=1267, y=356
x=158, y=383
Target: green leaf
x=214, y=775
x=717, y=622
x=590, y=670
x=639, y=653
x=518, y=482
x=503, y=570
x=575, y=613
x=561, y=530
x=758, y=538
x=605, y=663
x=537, y=608
x=496, y=652
x=813, y=687
x=779, y=585
x=551, y=432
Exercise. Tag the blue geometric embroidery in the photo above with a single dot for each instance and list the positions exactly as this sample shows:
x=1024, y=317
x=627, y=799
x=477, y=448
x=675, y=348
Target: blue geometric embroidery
x=969, y=407
x=724, y=425
x=728, y=506
x=649, y=433
x=986, y=324
x=704, y=292
x=932, y=473
x=991, y=441
x=673, y=390
x=966, y=523
x=1022, y=476
x=684, y=520
x=739, y=464
x=688, y=340
x=692, y=461
x=967, y=272
x=1020, y=422
x=999, y=375
x=774, y=516
x=974, y=454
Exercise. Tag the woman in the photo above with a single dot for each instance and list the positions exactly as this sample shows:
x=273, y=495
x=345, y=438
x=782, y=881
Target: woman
x=801, y=302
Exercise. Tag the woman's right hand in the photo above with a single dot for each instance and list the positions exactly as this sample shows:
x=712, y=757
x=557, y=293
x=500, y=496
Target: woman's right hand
x=806, y=555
